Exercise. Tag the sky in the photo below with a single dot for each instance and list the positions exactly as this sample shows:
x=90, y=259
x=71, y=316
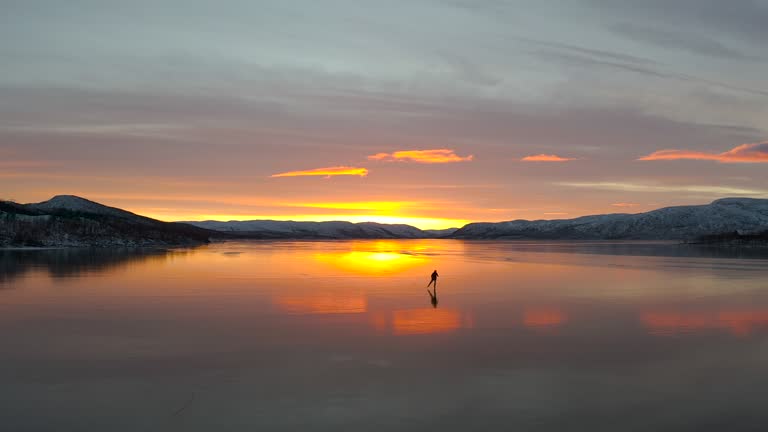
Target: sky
x=428, y=112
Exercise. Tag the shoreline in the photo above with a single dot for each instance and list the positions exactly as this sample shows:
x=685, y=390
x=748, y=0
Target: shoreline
x=730, y=245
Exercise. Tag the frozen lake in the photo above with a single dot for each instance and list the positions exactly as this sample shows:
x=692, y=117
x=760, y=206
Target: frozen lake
x=342, y=335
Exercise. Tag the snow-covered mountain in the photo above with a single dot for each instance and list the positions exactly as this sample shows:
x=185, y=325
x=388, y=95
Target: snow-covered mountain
x=333, y=229
x=74, y=203
x=68, y=220
x=744, y=215
x=438, y=233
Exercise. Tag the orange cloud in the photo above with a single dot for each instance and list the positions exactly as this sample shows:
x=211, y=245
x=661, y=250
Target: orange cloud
x=422, y=156
x=326, y=172
x=745, y=153
x=546, y=158
x=623, y=204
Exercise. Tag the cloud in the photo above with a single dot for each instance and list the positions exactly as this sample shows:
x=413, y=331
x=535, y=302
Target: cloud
x=681, y=40
x=575, y=58
x=591, y=52
x=644, y=187
x=740, y=20
x=422, y=156
x=326, y=172
x=546, y=158
x=745, y=153
x=624, y=204
x=26, y=164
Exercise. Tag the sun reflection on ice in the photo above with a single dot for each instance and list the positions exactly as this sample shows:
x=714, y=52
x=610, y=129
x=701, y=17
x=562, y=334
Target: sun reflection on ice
x=378, y=258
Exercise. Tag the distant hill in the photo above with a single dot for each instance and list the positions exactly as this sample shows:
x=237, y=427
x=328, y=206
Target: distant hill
x=728, y=215
x=72, y=203
x=68, y=220
x=271, y=229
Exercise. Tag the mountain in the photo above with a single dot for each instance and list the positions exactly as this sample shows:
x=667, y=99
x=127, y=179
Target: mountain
x=728, y=215
x=74, y=203
x=316, y=230
x=68, y=220
x=440, y=233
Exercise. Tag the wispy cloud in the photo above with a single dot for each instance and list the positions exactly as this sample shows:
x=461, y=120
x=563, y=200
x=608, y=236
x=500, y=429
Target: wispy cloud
x=681, y=40
x=434, y=156
x=546, y=158
x=26, y=164
x=624, y=204
x=745, y=153
x=574, y=58
x=375, y=206
x=326, y=172
x=644, y=187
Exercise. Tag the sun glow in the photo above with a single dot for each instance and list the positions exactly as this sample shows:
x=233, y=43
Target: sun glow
x=417, y=213
x=381, y=258
x=417, y=221
x=371, y=206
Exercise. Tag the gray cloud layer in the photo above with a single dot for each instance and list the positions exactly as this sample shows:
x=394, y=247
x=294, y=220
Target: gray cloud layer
x=232, y=93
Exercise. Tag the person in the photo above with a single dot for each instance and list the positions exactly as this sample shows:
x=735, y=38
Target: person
x=434, y=279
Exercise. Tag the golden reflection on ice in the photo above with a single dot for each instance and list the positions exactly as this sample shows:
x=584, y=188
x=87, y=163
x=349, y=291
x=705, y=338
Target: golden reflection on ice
x=377, y=258
x=420, y=321
x=543, y=318
x=321, y=304
x=737, y=322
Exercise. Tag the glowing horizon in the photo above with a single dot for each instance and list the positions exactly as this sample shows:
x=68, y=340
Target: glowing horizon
x=418, y=222
x=423, y=215
x=385, y=212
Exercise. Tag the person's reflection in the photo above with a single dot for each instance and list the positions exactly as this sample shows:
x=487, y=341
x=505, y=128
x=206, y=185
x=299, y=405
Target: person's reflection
x=433, y=297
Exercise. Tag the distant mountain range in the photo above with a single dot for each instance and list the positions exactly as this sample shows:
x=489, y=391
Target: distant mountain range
x=67, y=220
x=728, y=215
x=319, y=230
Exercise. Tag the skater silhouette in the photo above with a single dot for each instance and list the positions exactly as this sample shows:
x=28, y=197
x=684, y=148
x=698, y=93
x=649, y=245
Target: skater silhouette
x=434, y=279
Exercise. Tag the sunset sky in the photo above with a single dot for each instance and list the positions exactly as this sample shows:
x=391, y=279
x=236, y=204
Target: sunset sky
x=433, y=112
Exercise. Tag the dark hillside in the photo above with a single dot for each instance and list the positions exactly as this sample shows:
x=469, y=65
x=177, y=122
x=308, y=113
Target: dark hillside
x=31, y=225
